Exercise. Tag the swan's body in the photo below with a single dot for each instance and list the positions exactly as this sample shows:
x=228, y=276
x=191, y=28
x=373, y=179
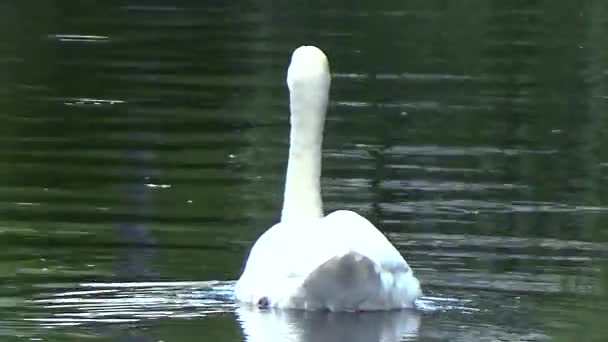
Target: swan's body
x=339, y=262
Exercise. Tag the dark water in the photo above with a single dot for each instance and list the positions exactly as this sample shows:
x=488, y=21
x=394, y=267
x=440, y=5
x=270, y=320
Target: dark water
x=143, y=145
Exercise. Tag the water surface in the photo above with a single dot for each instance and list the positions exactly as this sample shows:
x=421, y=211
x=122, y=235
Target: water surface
x=143, y=146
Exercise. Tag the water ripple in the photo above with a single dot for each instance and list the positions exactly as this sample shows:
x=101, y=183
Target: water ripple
x=131, y=301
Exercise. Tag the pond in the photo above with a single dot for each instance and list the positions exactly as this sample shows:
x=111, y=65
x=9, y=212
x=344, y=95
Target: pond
x=144, y=146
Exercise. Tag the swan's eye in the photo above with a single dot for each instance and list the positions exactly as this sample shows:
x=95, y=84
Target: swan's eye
x=264, y=303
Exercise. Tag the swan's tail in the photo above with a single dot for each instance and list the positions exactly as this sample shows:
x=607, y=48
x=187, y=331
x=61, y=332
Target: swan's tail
x=345, y=282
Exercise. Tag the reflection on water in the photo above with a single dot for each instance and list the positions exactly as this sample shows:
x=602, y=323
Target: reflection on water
x=143, y=146
x=295, y=326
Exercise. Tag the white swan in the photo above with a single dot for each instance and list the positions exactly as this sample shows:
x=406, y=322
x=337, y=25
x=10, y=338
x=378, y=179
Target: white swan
x=339, y=262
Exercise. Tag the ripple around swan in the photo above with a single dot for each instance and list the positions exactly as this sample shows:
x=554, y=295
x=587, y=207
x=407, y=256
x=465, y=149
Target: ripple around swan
x=87, y=305
x=127, y=302
x=455, y=262
x=93, y=305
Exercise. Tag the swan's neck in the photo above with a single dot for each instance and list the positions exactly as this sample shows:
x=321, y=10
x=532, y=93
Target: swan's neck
x=302, y=184
x=308, y=80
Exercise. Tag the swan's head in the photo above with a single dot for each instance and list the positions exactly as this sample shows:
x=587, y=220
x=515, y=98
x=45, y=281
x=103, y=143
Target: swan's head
x=308, y=80
x=309, y=66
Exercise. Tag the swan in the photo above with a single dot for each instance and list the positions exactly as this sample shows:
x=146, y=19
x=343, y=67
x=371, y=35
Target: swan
x=338, y=262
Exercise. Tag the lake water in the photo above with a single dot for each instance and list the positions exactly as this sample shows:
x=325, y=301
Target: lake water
x=143, y=146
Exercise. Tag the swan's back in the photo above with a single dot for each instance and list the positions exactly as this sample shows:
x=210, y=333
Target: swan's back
x=340, y=262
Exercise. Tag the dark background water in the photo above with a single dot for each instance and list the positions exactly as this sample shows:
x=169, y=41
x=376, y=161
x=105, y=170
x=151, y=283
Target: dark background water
x=143, y=146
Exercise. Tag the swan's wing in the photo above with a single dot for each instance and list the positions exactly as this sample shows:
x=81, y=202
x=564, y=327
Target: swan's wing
x=263, y=267
x=278, y=262
x=354, y=232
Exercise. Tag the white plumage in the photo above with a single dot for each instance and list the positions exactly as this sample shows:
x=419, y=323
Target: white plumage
x=339, y=262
